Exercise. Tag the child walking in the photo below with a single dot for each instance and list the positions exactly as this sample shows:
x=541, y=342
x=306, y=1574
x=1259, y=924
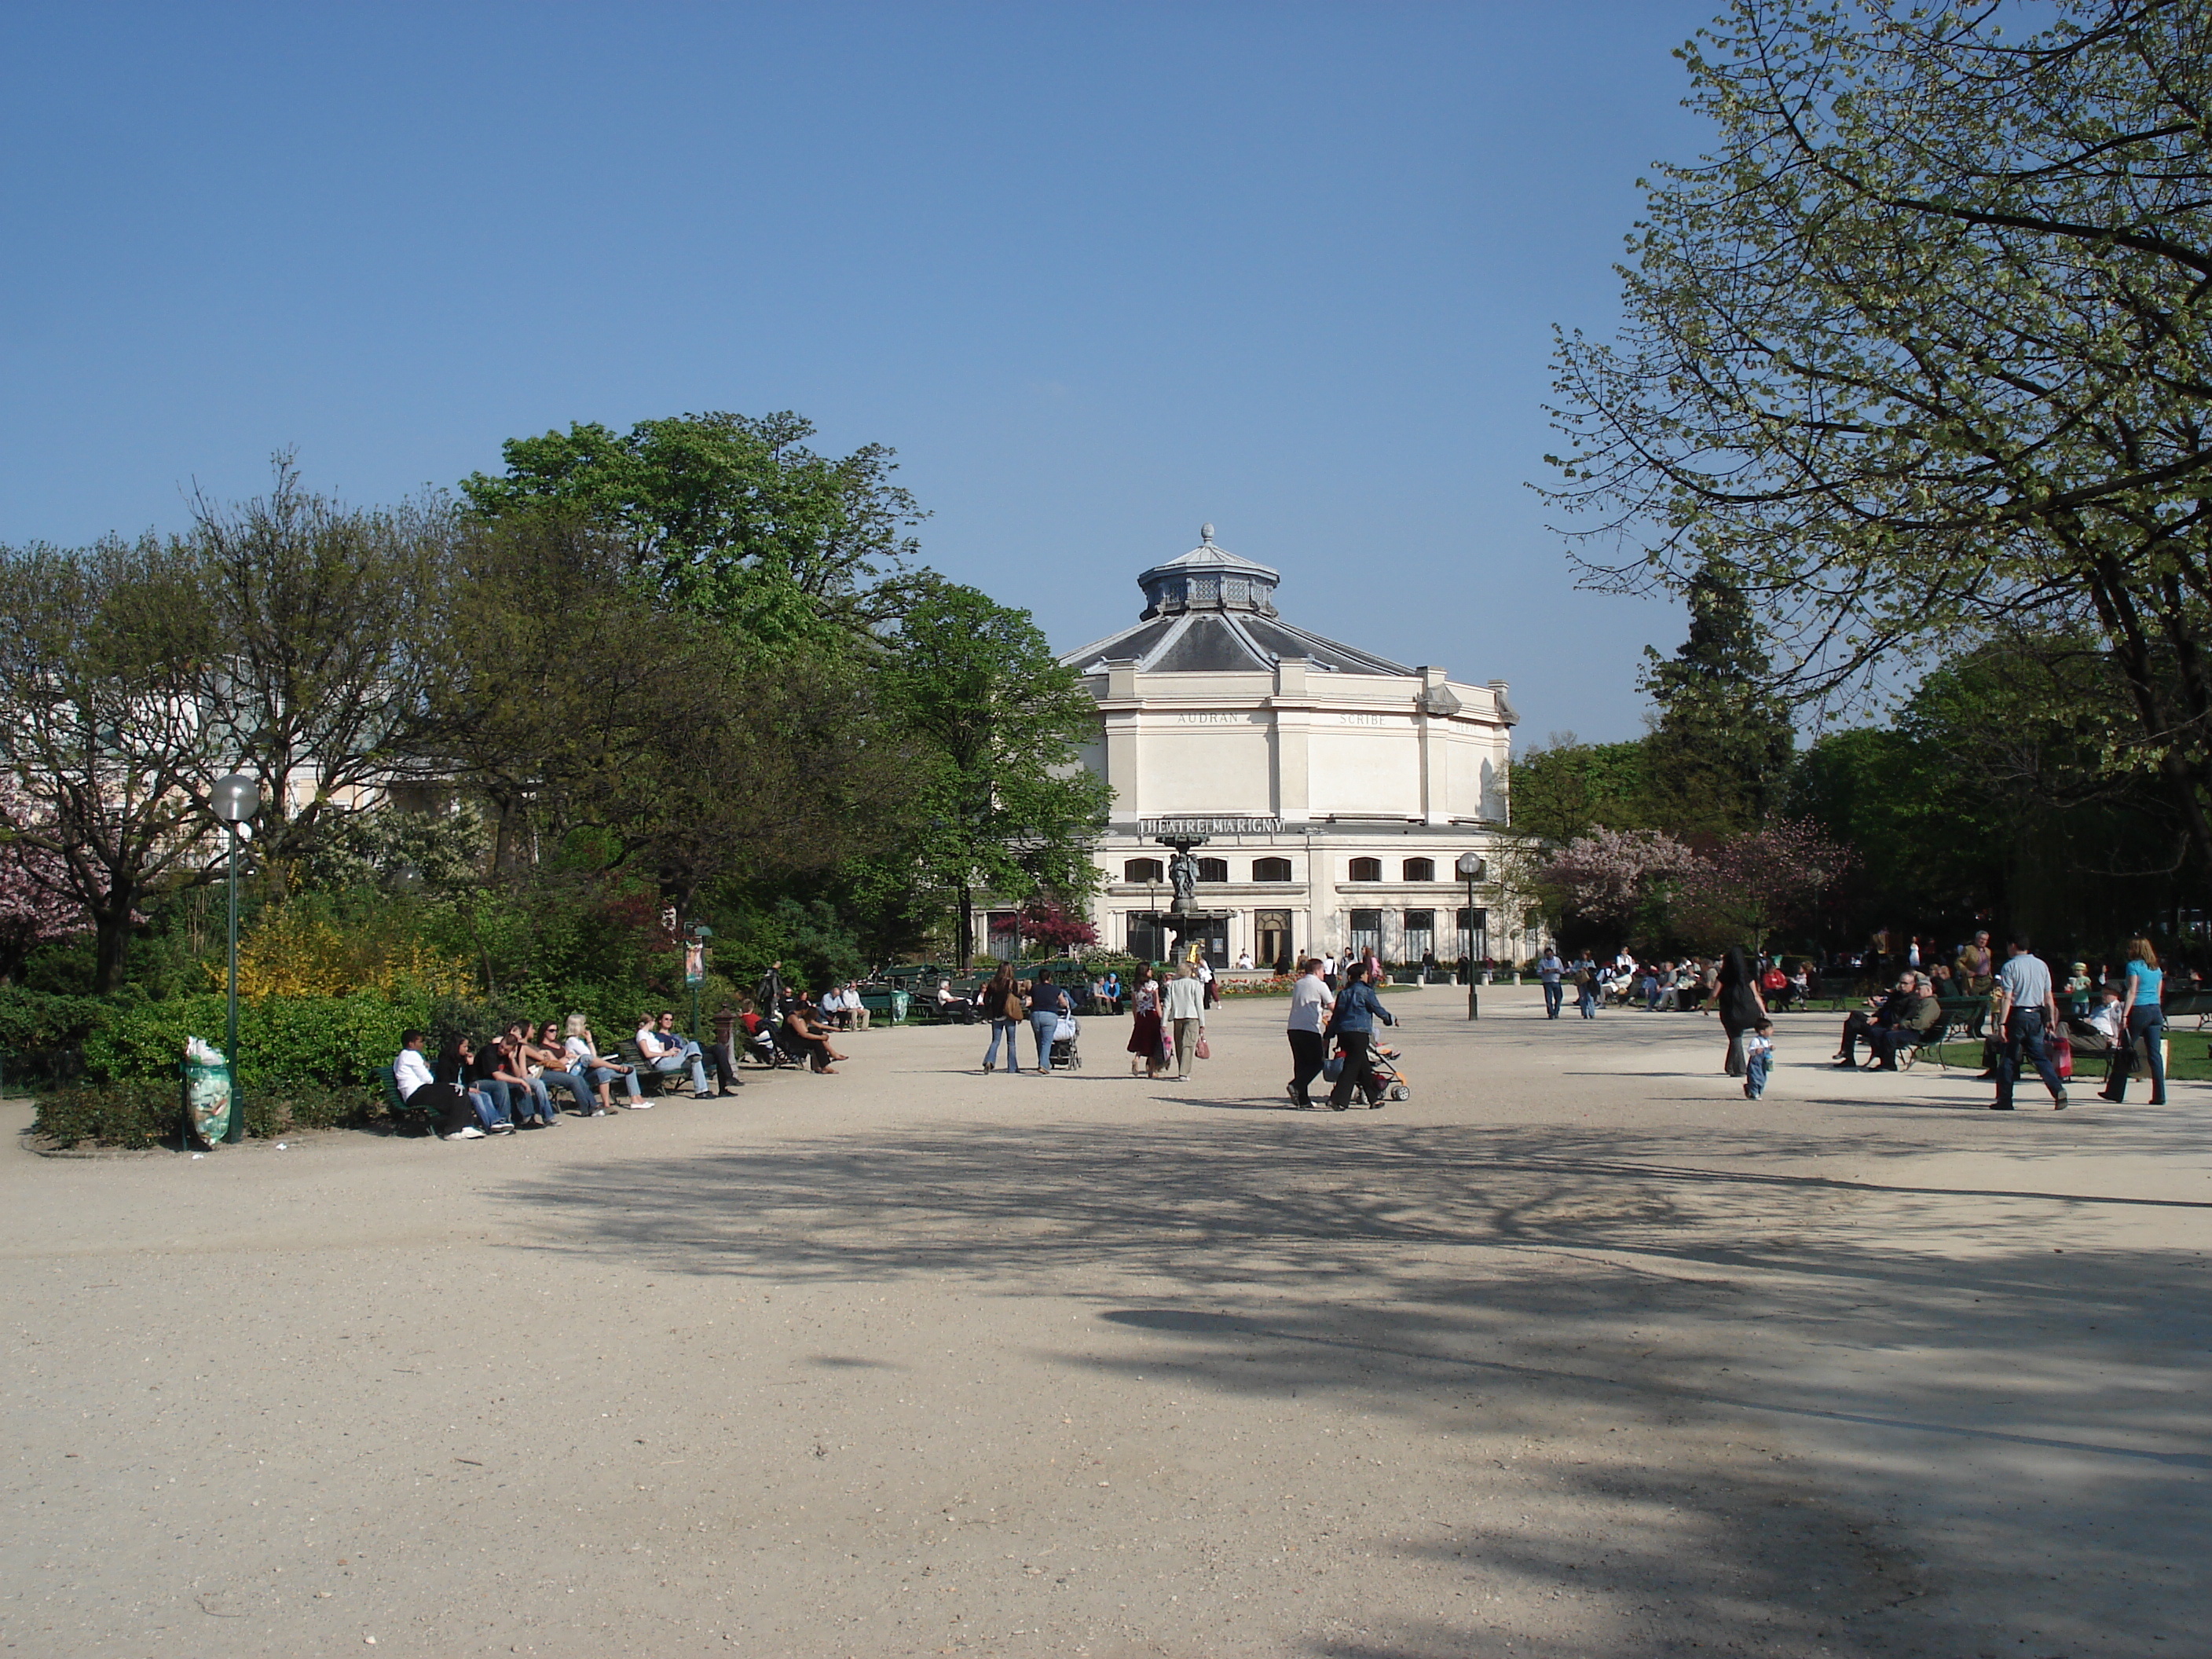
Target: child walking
x=1758, y=1059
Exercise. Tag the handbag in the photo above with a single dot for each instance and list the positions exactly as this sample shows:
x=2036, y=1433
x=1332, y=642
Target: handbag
x=1012, y=1007
x=2060, y=1051
x=1202, y=1051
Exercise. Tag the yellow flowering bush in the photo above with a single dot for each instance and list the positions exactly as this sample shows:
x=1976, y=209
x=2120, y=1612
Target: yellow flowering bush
x=295, y=953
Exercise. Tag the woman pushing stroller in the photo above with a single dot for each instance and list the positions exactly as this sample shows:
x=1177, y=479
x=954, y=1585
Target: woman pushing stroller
x=1351, y=1023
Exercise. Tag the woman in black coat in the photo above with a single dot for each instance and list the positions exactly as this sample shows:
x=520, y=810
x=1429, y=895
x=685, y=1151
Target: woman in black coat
x=1739, y=1003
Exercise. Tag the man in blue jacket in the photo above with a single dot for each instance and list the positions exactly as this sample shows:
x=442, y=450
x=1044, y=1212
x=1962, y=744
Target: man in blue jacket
x=1353, y=1024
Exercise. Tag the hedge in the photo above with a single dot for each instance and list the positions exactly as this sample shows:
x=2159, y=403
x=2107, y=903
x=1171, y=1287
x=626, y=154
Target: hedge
x=332, y=1041
x=144, y=1112
x=32, y=1022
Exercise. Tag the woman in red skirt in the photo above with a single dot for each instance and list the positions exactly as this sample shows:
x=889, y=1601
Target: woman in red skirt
x=1145, y=1040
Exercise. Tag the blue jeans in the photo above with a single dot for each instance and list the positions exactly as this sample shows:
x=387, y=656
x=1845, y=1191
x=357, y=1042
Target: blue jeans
x=1586, y=1000
x=669, y=1065
x=2024, y=1030
x=490, y=1098
x=2146, y=1026
x=529, y=1100
x=1005, y=1028
x=1552, y=995
x=1041, y=1026
x=578, y=1085
x=1754, y=1074
x=599, y=1074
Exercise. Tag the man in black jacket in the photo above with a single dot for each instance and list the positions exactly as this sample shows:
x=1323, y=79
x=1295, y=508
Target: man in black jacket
x=1921, y=1014
x=1892, y=1012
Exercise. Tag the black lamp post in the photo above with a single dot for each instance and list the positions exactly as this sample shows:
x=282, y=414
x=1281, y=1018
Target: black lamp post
x=1471, y=870
x=235, y=799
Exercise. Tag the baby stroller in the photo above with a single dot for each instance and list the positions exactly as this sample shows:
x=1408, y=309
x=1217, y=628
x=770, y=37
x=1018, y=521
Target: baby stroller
x=1383, y=1080
x=1066, y=1040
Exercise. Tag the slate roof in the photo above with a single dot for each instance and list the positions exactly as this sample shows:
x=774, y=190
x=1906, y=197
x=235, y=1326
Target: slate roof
x=1212, y=611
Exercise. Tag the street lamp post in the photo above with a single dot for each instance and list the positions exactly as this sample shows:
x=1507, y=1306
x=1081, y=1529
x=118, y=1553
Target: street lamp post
x=235, y=799
x=1471, y=870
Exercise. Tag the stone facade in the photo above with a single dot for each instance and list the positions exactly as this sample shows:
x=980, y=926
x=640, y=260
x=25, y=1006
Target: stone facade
x=1336, y=787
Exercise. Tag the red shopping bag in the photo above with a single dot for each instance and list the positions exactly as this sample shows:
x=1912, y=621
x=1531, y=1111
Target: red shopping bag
x=2060, y=1048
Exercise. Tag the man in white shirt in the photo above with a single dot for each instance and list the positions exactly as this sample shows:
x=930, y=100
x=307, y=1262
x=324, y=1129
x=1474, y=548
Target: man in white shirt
x=668, y=1052
x=1184, y=1006
x=856, y=1010
x=1310, y=1005
x=1328, y=969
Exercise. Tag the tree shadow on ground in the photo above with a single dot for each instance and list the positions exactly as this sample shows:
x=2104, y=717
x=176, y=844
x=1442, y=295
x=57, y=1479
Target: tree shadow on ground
x=1488, y=1283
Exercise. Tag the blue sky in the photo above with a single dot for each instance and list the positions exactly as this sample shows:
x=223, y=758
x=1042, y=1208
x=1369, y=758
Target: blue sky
x=1097, y=273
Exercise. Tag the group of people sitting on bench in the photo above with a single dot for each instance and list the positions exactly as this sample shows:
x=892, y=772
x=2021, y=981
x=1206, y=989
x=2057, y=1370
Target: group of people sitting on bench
x=523, y=1077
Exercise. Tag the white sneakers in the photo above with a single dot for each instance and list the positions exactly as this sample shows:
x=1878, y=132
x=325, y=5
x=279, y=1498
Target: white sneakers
x=469, y=1133
x=639, y=1105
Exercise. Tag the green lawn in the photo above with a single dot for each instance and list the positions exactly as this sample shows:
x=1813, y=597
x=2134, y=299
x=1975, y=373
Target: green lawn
x=2187, y=1060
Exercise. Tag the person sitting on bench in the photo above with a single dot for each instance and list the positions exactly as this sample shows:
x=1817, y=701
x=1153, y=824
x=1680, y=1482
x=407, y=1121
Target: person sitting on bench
x=452, y=1115
x=1887, y=1016
x=668, y=1051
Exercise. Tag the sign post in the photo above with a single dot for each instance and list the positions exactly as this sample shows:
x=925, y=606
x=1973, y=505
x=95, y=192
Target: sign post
x=235, y=798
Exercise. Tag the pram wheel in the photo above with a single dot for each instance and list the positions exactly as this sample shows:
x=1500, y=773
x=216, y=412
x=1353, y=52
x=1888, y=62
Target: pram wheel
x=1400, y=1091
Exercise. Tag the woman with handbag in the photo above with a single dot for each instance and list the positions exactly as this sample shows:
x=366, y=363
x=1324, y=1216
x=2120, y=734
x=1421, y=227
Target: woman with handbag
x=1001, y=1002
x=1184, y=1008
x=1146, y=1046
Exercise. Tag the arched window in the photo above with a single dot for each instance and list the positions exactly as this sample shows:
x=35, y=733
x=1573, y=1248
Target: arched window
x=1213, y=869
x=1367, y=869
x=1271, y=869
x=1144, y=869
x=1420, y=869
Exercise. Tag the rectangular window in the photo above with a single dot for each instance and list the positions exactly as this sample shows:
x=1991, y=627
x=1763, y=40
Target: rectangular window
x=1147, y=936
x=1473, y=937
x=1420, y=934
x=1002, y=936
x=1271, y=935
x=1367, y=932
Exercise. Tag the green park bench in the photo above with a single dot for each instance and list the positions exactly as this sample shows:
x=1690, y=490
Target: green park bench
x=2188, y=1005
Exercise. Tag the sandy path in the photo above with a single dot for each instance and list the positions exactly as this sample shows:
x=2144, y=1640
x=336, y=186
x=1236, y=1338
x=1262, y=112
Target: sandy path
x=1576, y=1352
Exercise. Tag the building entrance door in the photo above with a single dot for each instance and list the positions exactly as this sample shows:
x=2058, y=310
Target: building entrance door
x=1271, y=936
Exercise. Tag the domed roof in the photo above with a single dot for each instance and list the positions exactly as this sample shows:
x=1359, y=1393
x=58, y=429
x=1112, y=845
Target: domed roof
x=1210, y=611
x=1209, y=575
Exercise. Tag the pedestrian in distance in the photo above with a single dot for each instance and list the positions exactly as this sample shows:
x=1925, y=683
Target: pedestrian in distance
x=1758, y=1059
x=1147, y=1039
x=2027, y=1007
x=1184, y=1010
x=1309, y=1010
x=1352, y=1024
x=2145, y=983
x=1741, y=1007
x=1047, y=1002
x=1549, y=971
x=1002, y=1004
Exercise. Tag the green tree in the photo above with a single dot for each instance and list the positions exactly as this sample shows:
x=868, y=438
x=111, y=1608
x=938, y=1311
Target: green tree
x=1719, y=754
x=1006, y=804
x=729, y=514
x=1920, y=350
x=1565, y=788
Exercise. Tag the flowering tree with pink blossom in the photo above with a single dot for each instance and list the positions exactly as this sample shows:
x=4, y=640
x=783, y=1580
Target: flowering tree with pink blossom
x=1609, y=874
x=1048, y=922
x=1751, y=885
x=35, y=908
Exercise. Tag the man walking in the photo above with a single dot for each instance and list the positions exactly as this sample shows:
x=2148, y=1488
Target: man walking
x=2026, y=1009
x=1549, y=968
x=1309, y=1002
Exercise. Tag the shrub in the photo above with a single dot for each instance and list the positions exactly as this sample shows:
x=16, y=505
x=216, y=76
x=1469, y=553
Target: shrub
x=31, y=1021
x=283, y=1041
x=140, y=1112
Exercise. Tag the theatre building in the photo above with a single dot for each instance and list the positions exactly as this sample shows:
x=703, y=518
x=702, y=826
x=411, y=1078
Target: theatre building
x=1336, y=787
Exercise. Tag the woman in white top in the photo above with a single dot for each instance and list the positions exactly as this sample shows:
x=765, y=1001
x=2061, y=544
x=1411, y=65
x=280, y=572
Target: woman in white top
x=1309, y=1005
x=1185, y=1010
x=598, y=1069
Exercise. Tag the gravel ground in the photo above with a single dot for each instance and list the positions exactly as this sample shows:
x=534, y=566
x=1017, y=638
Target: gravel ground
x=1575, y=1352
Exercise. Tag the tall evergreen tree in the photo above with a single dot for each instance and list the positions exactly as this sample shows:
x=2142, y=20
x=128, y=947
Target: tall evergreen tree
x=1720, y=750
